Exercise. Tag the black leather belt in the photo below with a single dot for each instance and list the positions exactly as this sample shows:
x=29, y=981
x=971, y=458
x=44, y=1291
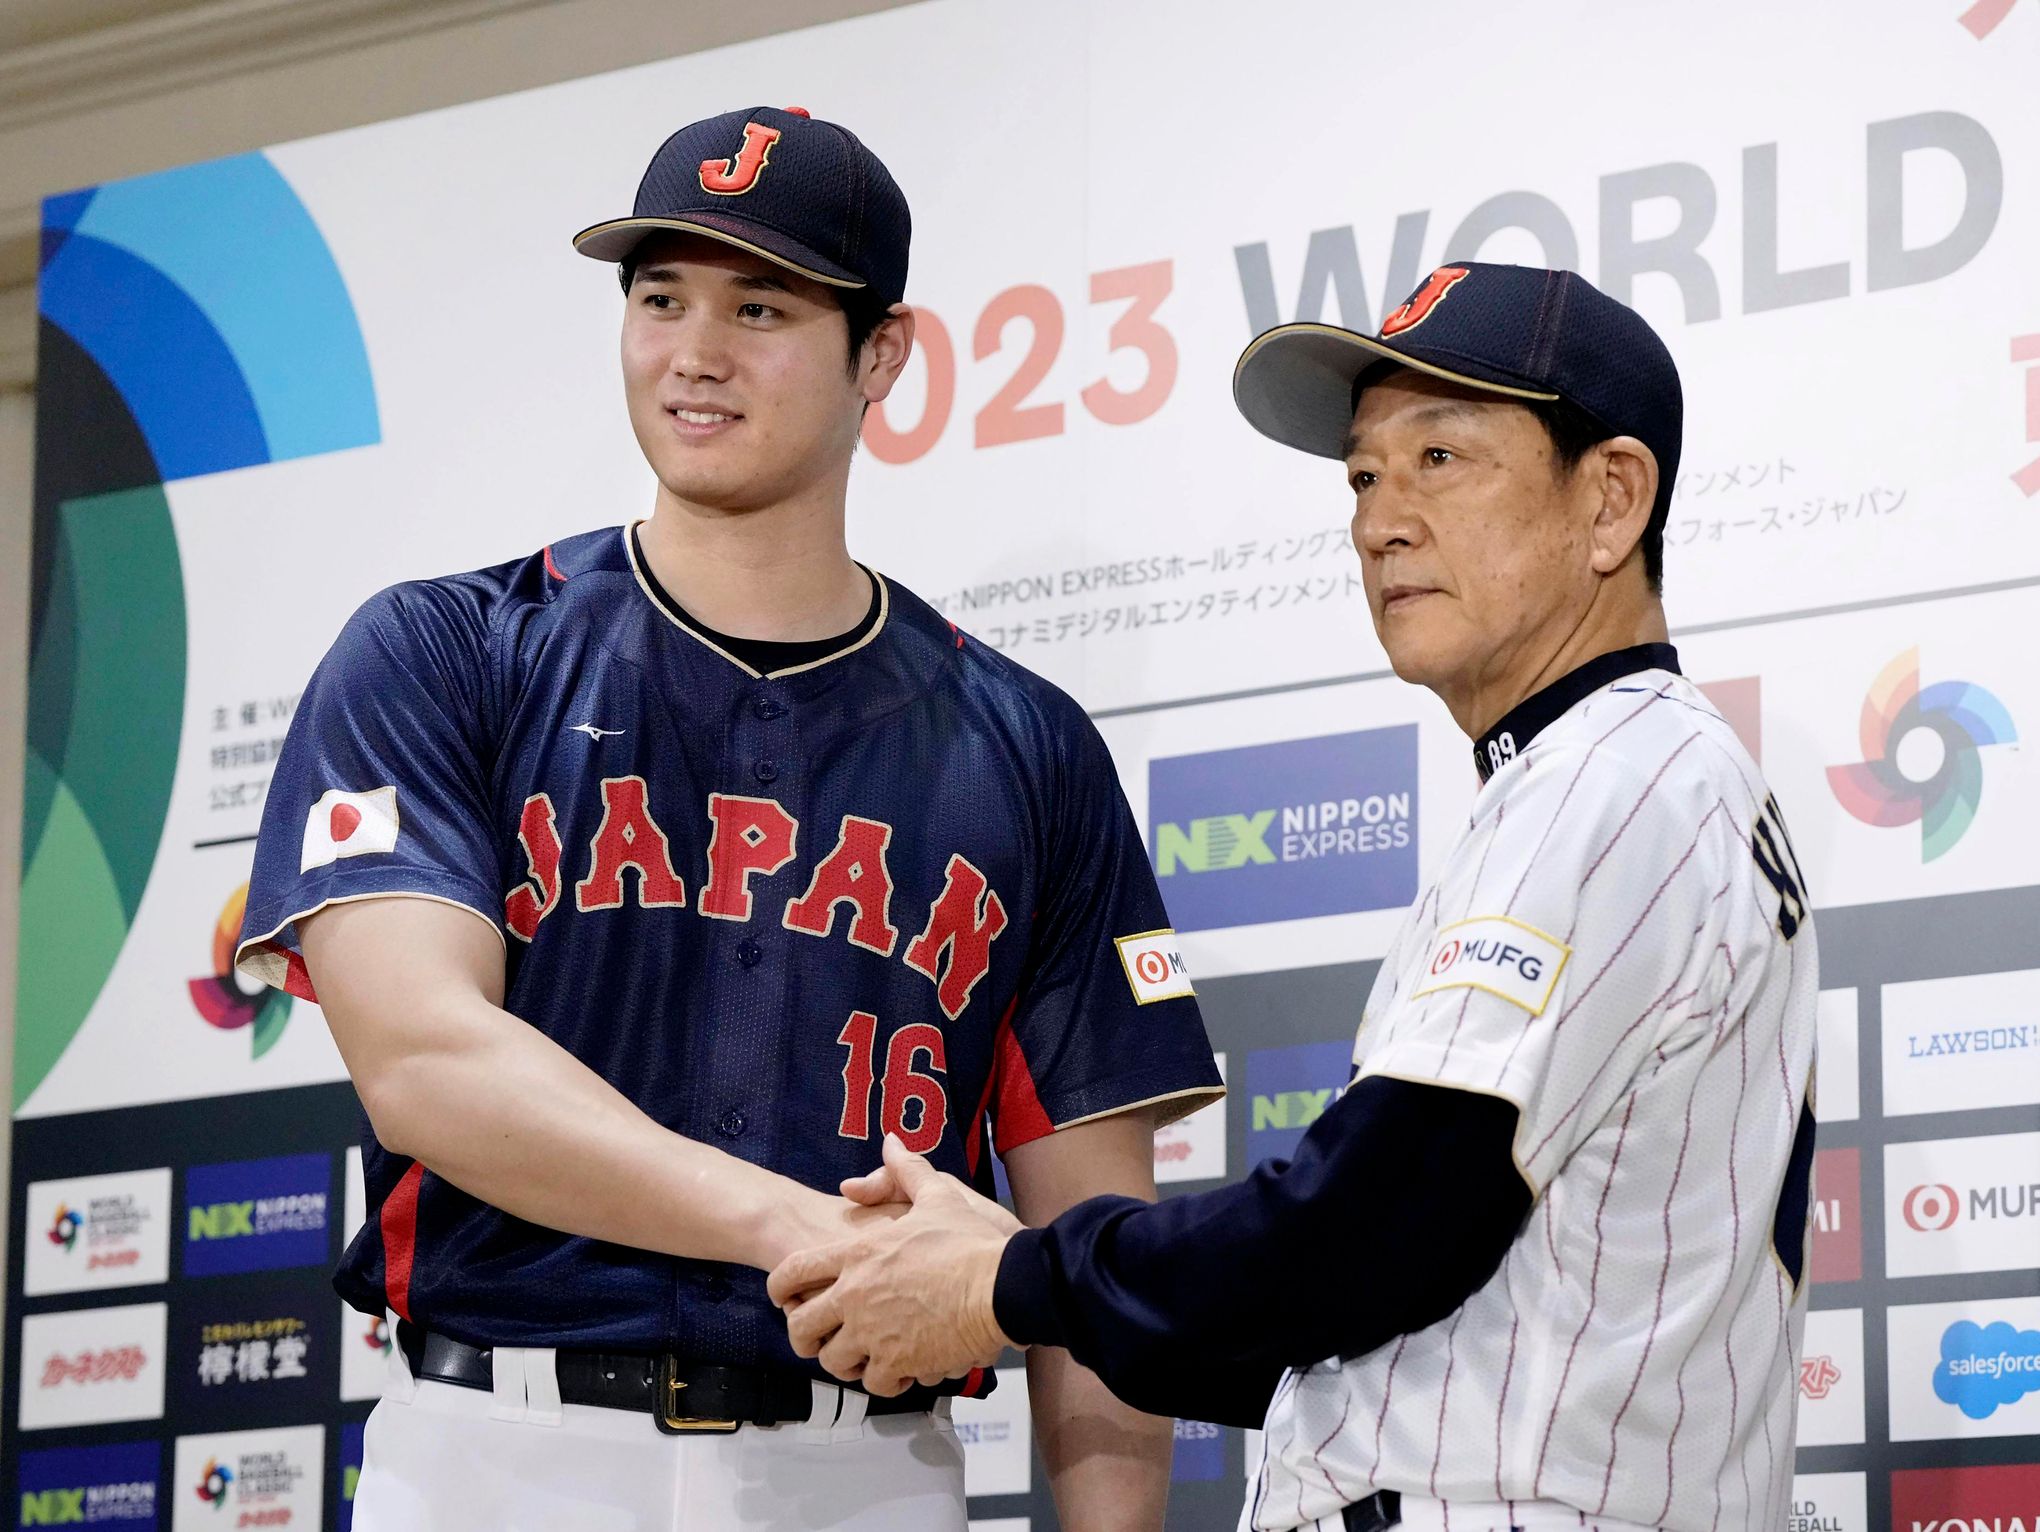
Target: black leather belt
x=682, y=1396
x=1376, y=1513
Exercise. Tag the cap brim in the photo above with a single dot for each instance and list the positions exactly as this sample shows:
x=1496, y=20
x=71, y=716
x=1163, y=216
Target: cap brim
x=614, y=240
x=1294, y=383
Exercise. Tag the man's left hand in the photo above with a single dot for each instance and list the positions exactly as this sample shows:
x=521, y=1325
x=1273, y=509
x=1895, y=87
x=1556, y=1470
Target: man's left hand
x=906, y=1302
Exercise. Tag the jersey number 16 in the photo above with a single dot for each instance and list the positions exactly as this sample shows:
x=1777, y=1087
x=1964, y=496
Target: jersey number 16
x=905, y=1086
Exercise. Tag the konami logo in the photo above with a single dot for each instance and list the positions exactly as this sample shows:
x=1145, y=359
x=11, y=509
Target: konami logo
x=1998, y=1499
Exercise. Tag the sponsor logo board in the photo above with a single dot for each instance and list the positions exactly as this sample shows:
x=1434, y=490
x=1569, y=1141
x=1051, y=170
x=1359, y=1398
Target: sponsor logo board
x=1828, y=1502
x=257, y=1215
x=1193, y=1148
x=1837, y=1215
x=112, y=1486
x=240, y=1479
x=350, y=1475
x=1838, y=1082
x=90, y=1232
x=1962, y=1044
x=997, y=1435
x=1287, y=1090
x=263, y=1354
x=1199, y=1452
x=1999, y=1498
x=364, y=1353
x=1965, y=1369
x=1831, y=1379
x=1282, y=831
x=92, y=1366
x=1962, y=1204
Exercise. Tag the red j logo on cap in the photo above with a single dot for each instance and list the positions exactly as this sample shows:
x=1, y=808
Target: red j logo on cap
x=734, y=177
x=1423, y=300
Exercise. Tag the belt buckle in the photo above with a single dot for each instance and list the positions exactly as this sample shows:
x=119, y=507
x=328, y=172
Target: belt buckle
x=668, y=1412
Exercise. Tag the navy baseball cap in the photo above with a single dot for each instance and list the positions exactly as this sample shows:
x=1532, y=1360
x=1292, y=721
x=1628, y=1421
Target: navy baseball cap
x=779, y=183
x=1518, y=331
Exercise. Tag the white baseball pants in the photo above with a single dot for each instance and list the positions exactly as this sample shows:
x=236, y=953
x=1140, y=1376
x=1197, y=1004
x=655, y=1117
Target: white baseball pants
x=439, y=1458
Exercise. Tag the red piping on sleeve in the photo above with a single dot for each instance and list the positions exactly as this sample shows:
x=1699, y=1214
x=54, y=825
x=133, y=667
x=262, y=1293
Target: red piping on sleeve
x=977, y=1118
x=1019, y=1118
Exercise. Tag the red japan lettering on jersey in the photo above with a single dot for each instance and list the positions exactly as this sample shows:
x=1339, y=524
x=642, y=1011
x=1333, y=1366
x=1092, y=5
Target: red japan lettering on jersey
x=538, y=832
x=854, y=873
x=751, y=835
x=628, y=837
x=1423, y=300
x=966, y=919
x=733, y=177
x=756, y=837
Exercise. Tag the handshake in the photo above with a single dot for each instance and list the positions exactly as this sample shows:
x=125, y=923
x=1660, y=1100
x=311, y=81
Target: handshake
x=908, y=1299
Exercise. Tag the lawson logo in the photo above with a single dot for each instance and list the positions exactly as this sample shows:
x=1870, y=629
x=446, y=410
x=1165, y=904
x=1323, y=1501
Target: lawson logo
x=1288, y=830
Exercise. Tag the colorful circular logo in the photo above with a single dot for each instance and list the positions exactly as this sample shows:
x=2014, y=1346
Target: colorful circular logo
x=1942, y=797
x=65, y=1226
x=212, y=1486
x=220, y=997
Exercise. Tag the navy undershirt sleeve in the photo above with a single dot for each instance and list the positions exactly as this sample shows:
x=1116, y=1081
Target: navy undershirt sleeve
x=1399, y=1206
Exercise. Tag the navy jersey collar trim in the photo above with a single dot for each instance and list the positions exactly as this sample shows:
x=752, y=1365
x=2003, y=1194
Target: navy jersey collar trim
x=858, y=637
x=1541, y=709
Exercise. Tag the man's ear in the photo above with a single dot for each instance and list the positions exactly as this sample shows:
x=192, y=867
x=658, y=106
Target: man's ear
x=886, y=353
x=1626, y=473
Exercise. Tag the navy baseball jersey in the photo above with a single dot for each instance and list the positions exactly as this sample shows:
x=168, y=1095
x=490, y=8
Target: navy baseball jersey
x=897, y=889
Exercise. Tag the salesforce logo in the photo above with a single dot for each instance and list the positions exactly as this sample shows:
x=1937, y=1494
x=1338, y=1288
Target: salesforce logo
x=1983, y=1367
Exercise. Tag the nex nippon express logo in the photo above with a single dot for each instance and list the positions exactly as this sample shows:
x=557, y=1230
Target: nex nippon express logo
x=1284, y=831
x=91, y=1487
x=257, y=1215
x=1288, y=1089
x=1961, y=1204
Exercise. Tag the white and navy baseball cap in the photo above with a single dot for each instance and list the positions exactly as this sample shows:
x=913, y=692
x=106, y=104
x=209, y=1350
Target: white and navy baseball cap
x=803, y=193
x=1520, y=332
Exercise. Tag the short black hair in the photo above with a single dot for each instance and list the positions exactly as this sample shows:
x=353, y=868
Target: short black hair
x=1573, y=432
x=863, y=310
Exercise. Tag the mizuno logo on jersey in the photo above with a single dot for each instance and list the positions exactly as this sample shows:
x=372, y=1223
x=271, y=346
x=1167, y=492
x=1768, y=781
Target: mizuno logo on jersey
x=349, y=824
x=630, y=859
x=1500, y=955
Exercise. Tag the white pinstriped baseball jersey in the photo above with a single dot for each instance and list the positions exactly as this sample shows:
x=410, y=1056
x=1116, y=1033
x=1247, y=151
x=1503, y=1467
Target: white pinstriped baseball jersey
x=1618, y=944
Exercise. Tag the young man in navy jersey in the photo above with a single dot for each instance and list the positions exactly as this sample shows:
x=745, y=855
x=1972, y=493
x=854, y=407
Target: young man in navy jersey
x=769, y=862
